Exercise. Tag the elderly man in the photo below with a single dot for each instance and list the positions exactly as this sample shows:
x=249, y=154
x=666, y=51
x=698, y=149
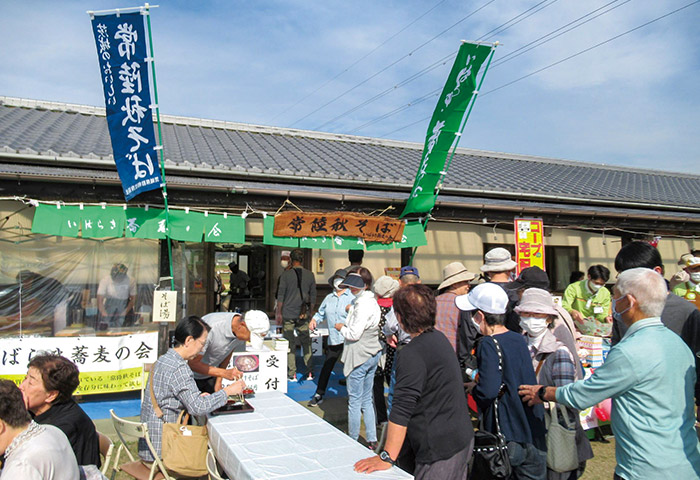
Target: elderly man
x=650, y=376
x=228, y=334
x=32, y=451
x=455, y=282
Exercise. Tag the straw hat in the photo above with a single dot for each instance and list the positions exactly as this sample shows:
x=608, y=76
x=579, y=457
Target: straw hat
x=455, y=272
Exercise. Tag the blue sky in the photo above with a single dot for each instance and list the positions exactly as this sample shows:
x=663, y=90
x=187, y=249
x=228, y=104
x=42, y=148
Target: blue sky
x=634, y=101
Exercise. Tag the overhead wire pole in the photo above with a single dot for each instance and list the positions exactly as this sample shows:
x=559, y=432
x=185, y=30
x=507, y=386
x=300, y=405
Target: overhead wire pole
x=161, y=149
x=458, y=136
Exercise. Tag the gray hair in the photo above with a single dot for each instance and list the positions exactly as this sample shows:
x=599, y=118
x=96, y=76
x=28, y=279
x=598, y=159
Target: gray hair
x=646, y=286
x=409, y=279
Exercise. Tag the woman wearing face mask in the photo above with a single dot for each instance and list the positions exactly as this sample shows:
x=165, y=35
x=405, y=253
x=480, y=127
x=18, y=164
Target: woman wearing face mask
x=553, y=362
x=334, y=311
x=173, y=387
x=588, y=302
x=361, y=353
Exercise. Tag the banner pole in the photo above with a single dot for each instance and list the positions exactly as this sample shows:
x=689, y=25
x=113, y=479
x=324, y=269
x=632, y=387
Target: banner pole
x=161, y=149
x=456, y=143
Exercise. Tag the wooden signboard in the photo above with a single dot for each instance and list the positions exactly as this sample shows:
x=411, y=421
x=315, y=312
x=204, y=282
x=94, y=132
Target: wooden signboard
x=338, y=224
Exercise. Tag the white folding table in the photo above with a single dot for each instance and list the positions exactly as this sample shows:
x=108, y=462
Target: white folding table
x=281, y=439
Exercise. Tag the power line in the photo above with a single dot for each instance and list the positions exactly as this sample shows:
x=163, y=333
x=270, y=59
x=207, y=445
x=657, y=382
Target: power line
x=392, y=64
x=499, y=29
x=560, y=61
x=360, y=59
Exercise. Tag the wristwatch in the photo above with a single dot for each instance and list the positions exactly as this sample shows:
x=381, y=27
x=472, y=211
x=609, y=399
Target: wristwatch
x=540, y=394
x=384, y=455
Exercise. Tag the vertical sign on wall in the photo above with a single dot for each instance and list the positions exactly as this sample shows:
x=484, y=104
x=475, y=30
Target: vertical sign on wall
x=124, y=69
x=529, y=243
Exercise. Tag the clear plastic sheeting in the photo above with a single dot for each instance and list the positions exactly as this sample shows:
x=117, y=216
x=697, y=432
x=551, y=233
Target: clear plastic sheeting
x=54, y=286
x=281, y=439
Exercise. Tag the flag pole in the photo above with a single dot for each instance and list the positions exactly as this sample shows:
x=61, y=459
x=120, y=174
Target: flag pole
x=160, y=149
x=458, y=137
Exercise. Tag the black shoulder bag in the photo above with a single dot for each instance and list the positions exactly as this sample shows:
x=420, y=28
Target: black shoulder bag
x=305, y=306
x=490, y=460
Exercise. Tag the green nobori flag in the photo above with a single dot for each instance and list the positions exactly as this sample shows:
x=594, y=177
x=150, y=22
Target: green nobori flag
x=270, y=239
x=57, y=220
x=142, y=223
x=224, y=228
x=444, y=127
x=186, y=226
x=102, y=222
x=413, y=236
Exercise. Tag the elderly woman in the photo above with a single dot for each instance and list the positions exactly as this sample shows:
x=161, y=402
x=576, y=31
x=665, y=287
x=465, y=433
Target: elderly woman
x=504, y=364
x=429, y=407
x=361, y=353
x=553, y=362
x=173, y=385
x=47, y=390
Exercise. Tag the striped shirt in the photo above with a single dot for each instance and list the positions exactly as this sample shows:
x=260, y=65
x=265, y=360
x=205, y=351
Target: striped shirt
x=175, y=389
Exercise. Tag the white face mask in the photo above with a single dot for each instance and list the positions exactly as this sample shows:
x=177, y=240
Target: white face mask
x=594, y=286
x=337, y=282
x=533, y=326
x=695, y=277
x=284, y=263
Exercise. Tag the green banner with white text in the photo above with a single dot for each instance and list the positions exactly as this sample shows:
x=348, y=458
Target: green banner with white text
x=444, y=127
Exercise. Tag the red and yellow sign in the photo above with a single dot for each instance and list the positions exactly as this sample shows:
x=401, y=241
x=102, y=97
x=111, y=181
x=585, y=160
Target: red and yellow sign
x=529, y=243
x=338, y=224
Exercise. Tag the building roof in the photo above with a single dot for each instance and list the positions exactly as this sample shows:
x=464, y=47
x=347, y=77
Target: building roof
x=56, y=133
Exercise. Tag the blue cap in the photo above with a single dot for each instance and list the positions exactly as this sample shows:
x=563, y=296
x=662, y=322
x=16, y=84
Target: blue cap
x=409, y=270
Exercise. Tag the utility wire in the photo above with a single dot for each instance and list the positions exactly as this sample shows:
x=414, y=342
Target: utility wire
x=393, y=63
x=557, y=62
x=360, y=59
x=499, y=29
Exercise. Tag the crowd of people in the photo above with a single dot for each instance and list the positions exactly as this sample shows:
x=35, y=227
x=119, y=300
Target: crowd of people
x=504, y=341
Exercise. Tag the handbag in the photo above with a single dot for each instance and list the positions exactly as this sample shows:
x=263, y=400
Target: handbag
x=184, y=447
x=490, y=458
x=562, y=454
x=305, y=307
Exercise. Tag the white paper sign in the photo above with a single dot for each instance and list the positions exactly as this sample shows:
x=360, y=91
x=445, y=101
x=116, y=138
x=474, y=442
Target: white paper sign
x=164, y=306
x=263, y=370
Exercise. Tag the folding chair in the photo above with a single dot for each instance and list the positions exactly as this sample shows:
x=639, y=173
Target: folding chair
x=106, y=448
x=147, y=367
x=212, y=468
x=136, y=468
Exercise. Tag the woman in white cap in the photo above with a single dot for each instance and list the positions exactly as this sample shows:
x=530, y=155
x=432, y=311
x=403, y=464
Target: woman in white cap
x=554, y=365
x=361, y=353
x=504, y=363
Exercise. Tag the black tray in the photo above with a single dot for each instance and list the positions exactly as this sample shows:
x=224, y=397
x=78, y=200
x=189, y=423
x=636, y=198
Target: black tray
x=232, y=407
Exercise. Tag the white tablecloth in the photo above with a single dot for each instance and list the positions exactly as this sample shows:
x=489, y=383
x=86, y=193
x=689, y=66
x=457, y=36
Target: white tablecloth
x=282, y=439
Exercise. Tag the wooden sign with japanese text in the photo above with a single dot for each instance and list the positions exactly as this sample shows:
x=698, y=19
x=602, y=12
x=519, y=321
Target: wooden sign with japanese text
x=529, y=243
x=164, y=306
x=338, y=224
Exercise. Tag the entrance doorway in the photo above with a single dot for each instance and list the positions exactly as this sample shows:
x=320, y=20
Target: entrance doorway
x=240, y=273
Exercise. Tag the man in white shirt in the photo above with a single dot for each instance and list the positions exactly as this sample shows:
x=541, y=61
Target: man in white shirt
x=115, y=296
x=32, y=451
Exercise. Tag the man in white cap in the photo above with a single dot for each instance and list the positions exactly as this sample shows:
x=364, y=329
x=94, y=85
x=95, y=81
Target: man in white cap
x=455, y=282
x=228, y=334
x=499, y=265
x=690, y=290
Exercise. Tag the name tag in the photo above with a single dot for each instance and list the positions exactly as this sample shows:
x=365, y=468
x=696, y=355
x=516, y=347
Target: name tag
x=597, y=310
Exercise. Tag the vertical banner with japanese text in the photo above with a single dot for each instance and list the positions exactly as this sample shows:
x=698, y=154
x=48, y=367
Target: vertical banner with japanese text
x=124, y=70
x=444, y=126
x=106, y=364
x=529, y=243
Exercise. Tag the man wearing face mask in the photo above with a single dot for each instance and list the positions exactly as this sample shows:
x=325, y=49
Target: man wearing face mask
x=650, y=375
x=588, y=302
x=115, y=297
x=333, y=310
x=690, y=290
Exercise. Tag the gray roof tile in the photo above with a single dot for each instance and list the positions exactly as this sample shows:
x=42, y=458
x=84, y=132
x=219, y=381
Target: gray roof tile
x=52, y=129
